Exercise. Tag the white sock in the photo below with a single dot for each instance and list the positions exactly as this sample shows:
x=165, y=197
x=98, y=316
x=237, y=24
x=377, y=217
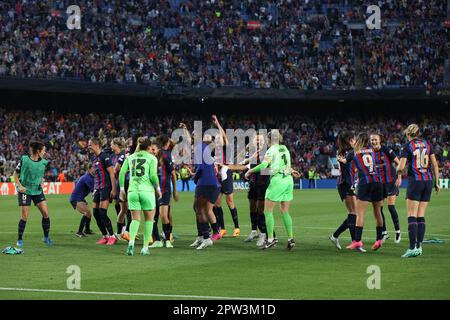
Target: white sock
x=131, y=243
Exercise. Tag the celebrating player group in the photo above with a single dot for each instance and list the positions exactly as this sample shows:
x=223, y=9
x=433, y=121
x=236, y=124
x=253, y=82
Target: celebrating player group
x=138, y=175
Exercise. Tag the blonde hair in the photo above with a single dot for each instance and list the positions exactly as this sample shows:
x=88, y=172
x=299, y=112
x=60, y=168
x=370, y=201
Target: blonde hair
x=120, y=142
x=143, y=143
x=362, y=141
x=102, y=141
x=275, y=137
x=412, y=130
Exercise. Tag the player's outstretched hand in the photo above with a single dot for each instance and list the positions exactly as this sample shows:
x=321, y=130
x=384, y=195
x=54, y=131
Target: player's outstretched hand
x=341, y=159
x=176, y=196
x=437, y=188
x=122, y=195
x=22, y=189
x=247, y=175
x=158, y=193
x=113, y=194
x=296, y=174
x=214, y=119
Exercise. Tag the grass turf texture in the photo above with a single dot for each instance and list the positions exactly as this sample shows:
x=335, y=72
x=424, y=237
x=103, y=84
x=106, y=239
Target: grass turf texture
x=231, y=268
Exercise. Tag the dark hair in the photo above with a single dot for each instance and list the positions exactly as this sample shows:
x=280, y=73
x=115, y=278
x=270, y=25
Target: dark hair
x=343, y=141
x=162, y=140
x=362, y=141
x=36, y=146
x=382, y=137
x=134, y=142
x=143, y=143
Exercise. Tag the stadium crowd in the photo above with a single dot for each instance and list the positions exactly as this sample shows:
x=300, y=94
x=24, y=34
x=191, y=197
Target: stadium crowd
x=312, y=141
x=252, y=43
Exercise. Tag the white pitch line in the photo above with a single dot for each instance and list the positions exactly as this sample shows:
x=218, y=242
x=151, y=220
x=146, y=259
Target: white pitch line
x=132, y=294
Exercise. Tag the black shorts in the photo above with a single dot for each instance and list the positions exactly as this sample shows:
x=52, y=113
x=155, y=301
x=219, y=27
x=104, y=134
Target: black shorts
x=100, y=195
x=390, y=189
x=227, y=184
x=371, y=192
x=165, y=198
x=256, y=192
x=419, y=190
x=209, y=192
x=25, y=199
x=345, y=190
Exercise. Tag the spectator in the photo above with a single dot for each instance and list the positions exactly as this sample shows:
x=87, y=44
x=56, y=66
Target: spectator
x=311, y=178
x=61, y=177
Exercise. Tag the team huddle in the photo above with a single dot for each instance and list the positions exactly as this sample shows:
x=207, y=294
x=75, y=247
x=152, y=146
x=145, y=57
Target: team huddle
x=378, y=176
x=138, y=176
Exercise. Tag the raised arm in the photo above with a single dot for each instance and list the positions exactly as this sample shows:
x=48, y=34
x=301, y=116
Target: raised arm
x=174, y=184
x=223, y=136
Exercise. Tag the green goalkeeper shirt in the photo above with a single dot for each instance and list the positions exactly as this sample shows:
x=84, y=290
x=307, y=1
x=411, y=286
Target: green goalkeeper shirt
x=280, y=159
x=143, y=168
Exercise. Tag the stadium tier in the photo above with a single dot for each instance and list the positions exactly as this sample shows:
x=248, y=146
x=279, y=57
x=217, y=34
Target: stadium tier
x=252, y=44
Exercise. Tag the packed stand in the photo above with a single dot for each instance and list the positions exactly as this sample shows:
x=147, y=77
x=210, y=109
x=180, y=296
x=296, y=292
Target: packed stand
x=196, y=43
x=312, y=141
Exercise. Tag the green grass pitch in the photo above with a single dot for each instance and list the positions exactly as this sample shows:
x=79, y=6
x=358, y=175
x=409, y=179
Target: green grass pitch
x=231, y=268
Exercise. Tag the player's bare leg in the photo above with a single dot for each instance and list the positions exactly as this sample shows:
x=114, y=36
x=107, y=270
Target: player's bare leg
x=164, y=216
x=84, y=227
x=379, y=224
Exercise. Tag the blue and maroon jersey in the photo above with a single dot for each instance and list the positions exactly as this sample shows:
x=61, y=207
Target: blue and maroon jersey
x=258, y=179
x=117, y=159
x=101, y=176
x=83, y=187
x=418, y=152
x=165, y=170
x=205, y=169
x=385, y=156
x=347, y=170
x=366, y=163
